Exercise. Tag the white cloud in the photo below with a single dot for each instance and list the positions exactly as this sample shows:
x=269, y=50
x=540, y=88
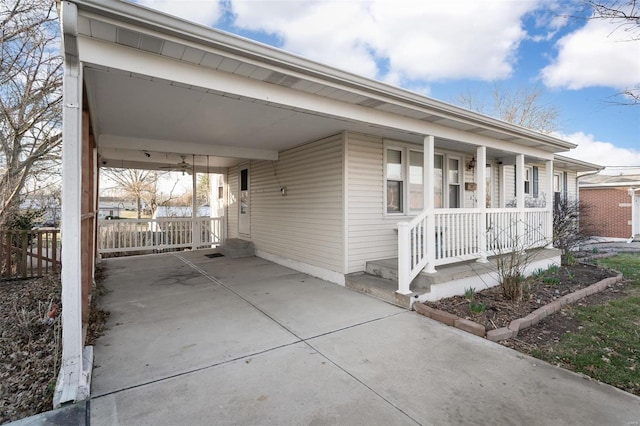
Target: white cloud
x=200, y=11
x=416, y=40
x=598, y=54
x=601, y=153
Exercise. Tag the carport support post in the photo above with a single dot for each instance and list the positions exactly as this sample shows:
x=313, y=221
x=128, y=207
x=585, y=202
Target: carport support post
x=71, y=384
x=195, y=228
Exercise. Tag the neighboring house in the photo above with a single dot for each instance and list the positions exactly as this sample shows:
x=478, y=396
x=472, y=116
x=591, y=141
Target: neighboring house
x=324, y=171
x=613, y=205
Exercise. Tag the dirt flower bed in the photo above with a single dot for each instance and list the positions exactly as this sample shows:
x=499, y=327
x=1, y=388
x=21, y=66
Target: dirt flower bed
x=30, y=350
x=488, y=307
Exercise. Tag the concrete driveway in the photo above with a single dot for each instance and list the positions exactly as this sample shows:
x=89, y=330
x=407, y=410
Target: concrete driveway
x=197, y=340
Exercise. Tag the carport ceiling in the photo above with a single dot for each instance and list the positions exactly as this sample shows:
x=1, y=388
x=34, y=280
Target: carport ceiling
x=126, y=107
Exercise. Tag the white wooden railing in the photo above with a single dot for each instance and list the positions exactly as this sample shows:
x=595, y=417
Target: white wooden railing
x=459, y=234
x=126, y=235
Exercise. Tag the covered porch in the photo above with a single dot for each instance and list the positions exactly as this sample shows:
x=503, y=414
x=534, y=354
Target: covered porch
x=302, y=149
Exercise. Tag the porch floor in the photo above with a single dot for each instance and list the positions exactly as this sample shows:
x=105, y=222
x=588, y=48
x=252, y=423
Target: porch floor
x=196, y=340
x=381, y=277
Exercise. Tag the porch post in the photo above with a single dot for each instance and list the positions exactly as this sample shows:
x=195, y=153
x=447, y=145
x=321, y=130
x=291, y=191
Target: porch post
x=501, y=186
x=71, y=381
x=520, y=172
x=429, y=202
x=481, y=201
x=195, y=229
x=549, y=205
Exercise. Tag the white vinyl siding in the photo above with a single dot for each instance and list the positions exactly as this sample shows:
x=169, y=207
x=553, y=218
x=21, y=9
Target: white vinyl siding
x=306, y=224
x=370, y=235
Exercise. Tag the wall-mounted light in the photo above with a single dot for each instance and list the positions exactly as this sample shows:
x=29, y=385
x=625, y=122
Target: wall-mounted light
x=283, y=191
x=471, y=164
x=146, y=154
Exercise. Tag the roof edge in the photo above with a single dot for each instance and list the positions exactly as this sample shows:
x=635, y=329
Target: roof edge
x=171, y=25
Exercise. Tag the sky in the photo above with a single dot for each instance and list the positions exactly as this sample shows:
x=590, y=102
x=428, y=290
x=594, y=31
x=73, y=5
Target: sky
x=442, y=49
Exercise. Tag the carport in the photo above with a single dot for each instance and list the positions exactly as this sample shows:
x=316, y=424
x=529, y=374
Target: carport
x=199, y=340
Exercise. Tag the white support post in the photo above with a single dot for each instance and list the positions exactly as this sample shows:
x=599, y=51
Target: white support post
x=71, y=380
x=481, y=200
x=520, y=173
x=550, y=206
x=404, y=259
x=429, y=203
x=502, y=188
x=195, y=228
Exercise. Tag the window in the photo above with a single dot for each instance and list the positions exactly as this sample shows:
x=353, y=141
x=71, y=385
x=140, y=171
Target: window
x=527, y=180
x=416, y=177
x=439, y=180
x=404, y=175
x=395, y=177
x=488, y=187
x=453, y=175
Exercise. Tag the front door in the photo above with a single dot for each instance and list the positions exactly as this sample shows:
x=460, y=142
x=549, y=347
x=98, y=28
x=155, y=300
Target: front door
x=244, y=213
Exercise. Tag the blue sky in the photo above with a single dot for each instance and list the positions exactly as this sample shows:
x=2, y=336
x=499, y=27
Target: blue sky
x=441, y=49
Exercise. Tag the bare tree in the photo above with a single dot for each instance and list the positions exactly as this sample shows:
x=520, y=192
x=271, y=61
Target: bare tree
x=134, y=183
x=30, y=96
x=141, y=186
x=524, y=107
x=625, y=17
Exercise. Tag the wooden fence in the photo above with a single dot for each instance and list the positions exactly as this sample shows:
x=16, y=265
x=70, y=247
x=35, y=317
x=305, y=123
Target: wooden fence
x=33, y=253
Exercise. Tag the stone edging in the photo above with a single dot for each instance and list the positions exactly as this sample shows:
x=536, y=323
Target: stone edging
x=517, y=325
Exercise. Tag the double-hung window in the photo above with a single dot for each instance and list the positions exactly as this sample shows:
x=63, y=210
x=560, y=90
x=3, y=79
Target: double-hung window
x=404, y=180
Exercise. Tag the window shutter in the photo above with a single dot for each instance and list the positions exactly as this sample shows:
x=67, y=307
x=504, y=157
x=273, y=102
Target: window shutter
x=535, y=182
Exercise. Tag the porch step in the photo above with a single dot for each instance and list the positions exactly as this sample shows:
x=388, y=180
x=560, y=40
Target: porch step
x=379, y=288
x=388, y=269
x=235, y=247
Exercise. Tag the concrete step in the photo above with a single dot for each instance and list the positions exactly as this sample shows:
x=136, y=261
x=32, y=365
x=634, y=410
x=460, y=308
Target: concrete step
x=388, y=269
x=379, y=288
x=235, y=247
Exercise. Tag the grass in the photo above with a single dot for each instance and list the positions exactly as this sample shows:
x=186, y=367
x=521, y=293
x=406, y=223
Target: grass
x=606, y=347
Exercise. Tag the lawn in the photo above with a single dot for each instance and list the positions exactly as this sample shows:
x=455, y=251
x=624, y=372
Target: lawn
x=606, y=344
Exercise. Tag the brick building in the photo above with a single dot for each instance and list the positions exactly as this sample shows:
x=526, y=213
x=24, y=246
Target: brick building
x=613, y=204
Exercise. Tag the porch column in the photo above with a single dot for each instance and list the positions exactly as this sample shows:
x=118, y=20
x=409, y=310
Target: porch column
x=520, y=172
x=501, y=186
x=195, y=229
x=481, y=200
x=549, y=205
x=429, y=202
x=71, y=379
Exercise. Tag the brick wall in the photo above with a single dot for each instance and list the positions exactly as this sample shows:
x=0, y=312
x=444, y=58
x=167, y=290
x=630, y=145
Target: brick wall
x=608, y=211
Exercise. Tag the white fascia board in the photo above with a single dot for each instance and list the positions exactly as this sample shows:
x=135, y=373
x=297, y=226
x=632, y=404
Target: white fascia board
x=186, y=148
x=610, y=185
x=132, y=60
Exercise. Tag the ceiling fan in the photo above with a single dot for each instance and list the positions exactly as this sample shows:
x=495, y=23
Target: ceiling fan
x=182, y=166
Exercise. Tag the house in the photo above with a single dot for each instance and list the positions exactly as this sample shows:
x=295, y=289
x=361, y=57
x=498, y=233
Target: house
x=613, y=205
x=322, y=170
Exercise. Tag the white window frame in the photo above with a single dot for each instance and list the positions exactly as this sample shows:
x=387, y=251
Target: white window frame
x=557, y=175
x=405, y=150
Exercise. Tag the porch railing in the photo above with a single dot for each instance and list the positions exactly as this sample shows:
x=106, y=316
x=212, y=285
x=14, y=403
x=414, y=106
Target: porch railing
x=457, y=236
x=29, y=253
x=128, y=235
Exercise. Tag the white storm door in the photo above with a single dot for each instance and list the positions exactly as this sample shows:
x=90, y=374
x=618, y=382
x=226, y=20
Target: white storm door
x=244, y=212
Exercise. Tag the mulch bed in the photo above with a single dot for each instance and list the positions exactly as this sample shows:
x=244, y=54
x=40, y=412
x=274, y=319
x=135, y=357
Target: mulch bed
x=499, y=312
